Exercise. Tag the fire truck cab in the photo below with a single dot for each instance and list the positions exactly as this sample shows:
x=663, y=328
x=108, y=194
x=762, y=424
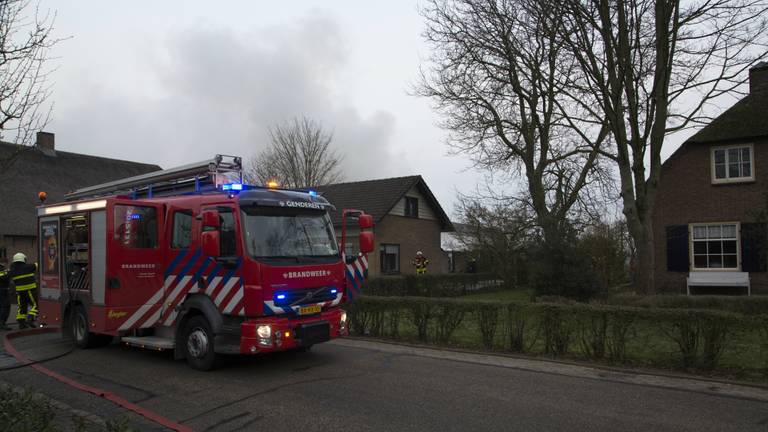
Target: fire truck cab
x=181, y=260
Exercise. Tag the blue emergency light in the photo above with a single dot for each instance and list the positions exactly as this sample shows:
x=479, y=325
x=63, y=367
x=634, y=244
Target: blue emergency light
x=232, y=187
x=313, y=193
x=280, y=296
x=334, y=291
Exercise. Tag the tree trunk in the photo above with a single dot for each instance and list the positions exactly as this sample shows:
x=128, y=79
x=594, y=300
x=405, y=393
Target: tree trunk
x=645, y=282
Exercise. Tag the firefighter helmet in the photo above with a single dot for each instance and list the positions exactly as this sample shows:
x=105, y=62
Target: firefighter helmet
x=418, y=253
x=20, y=257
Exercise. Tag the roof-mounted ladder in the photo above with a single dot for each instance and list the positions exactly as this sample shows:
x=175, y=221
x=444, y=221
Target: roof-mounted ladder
x=193, y=178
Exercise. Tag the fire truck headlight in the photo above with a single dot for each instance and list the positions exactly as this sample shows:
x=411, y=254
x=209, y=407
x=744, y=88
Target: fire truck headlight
x=264, y=331
x=343, y=323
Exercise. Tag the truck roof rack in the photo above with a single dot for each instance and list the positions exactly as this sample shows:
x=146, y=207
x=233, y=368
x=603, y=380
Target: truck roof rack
x=192, y=178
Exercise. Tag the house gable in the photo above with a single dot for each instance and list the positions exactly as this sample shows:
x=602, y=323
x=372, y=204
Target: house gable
x=425, y=210
x=385, y=197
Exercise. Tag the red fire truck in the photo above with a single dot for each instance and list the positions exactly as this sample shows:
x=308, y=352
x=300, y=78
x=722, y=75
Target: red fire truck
x=192, y=260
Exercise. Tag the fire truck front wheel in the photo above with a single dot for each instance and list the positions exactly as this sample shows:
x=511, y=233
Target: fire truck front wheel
x=198, y=344
x=79, y=331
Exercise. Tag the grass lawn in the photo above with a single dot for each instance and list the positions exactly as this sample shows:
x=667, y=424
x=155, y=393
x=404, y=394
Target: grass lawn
x=649, y=342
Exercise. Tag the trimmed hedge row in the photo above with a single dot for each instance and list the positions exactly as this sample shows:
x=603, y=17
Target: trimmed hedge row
x=433, y=285
x=690, y=338
x=752, y=305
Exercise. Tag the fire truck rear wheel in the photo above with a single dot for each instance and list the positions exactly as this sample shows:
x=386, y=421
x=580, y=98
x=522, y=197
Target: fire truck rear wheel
x=198, y=344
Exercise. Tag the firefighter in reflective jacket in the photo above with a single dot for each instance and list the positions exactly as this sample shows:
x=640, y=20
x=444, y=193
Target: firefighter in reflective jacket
x=420, y=262
x=23, y=277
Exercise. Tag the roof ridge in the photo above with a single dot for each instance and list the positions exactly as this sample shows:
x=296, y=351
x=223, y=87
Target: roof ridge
x=369, y=181
x=84, y=155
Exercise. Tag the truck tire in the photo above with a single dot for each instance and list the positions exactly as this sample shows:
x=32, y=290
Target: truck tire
x=198, y=344
x=83, y=338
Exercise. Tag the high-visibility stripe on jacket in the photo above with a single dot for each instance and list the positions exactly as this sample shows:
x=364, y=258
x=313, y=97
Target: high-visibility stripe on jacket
x=5, y=281
x=23, y=276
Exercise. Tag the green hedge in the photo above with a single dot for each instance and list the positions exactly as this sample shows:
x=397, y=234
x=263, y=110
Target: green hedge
x=688, y=338
x=432, y=285
x=748, y=305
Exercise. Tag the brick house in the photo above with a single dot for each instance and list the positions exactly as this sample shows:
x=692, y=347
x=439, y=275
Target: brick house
x=407, y=218
x=710, y=190
x=29, y=170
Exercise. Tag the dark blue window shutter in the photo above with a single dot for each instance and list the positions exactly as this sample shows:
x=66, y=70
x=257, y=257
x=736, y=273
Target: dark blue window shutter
x=677, y=248
x=754, y=245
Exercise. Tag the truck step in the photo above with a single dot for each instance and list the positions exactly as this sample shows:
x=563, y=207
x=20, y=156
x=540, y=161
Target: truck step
x=151, y=342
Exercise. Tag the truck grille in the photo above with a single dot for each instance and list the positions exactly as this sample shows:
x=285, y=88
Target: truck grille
x=289, y=297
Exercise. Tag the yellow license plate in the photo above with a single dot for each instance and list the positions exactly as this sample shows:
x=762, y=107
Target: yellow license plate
x=309, y=310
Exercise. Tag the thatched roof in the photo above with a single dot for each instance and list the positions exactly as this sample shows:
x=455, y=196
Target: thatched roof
x=746, y=119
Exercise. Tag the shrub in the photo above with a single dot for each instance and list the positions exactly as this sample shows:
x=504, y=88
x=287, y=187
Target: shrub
x=422, y=312
x=752, y=305
x=448, y=316
x=487, y=316
x=516, y=326
x=593, y=334
x=563, y=271
x=701, y=337
x=393, y=324
x=24, y=412
x=432, y=285
x=620, y=324
x=556, y=331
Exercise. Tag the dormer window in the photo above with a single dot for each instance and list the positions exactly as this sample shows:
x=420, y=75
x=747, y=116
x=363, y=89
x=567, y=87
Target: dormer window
x=733, y=164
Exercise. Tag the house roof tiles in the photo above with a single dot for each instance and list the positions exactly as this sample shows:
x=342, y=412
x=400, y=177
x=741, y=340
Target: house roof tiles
x=56, y=173
x=378, y=197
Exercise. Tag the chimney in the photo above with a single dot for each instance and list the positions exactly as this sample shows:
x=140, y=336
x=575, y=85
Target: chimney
x=46, y=143
x=758, y=77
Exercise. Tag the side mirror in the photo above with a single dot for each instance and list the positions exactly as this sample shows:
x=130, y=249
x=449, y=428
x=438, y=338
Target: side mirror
x=366, y=242
x=365, y=221
x=211, y=245
x=211, y=219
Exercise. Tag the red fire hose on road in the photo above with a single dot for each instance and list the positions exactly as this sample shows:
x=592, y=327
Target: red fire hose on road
x=150, y=415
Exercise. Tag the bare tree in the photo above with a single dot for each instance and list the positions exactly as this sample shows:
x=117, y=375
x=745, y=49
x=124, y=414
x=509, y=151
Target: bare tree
x=498, y=67
x=25, y=38
x=299, y=155
x=648, y=68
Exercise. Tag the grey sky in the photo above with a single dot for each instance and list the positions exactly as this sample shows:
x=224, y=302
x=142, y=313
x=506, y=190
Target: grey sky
x=176, y=82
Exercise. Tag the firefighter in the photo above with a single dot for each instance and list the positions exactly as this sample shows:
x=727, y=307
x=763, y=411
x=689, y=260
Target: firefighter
x=23, y=277
x=5, y=298
x=420, y=262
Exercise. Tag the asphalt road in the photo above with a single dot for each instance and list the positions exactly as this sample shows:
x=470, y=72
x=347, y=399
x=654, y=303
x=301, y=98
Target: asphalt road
x=363, y=386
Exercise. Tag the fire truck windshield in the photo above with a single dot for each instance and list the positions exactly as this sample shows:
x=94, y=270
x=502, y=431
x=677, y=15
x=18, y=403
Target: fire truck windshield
x=289, y=234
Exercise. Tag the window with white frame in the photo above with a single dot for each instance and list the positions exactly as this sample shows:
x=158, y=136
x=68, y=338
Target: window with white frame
x=715, y=246
x=734, y=163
